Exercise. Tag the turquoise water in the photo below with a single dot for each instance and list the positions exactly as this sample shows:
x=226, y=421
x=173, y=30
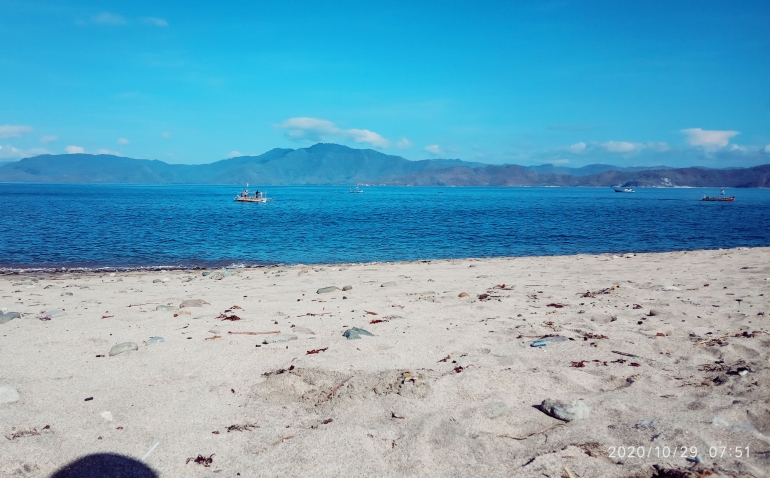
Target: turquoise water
x=147, y=226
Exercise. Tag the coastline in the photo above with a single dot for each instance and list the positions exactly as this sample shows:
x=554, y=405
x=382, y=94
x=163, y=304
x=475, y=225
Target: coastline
x=390, y=404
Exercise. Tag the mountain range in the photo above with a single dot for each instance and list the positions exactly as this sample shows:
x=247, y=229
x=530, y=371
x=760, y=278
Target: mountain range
x=332, y=164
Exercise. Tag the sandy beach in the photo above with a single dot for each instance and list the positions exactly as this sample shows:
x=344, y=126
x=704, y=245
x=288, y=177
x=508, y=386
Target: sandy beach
x=647, y=352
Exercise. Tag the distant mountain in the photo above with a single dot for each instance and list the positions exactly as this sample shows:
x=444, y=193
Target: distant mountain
x=334, y=164
x=318, y=164
x=589, y=169
x=513, y=175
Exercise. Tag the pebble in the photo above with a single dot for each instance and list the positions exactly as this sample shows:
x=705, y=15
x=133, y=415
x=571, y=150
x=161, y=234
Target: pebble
x=577, y=410
x=155, y=340
x=544, y=342
x=216, y=276
x=670, y=287
x=166, y=307
x=120, y=348
x=9, y=316
x=356, y=333
x=165, y=279
x=278, y=338
x=50, y=314
x=347, y=287
x=463, y=294
x=157, y=281
x=8, y=395
x=324, y=290
x=302, y=330
x=389, y=284
x=205, y=273
x=66, y=294
x=653, y=313
x=192, y=303
x=497, y=410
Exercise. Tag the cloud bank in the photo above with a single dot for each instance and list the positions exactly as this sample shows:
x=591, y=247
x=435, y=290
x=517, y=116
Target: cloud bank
x=11, y=131
x=710, y=140
x=319, y=130
x=434, y=149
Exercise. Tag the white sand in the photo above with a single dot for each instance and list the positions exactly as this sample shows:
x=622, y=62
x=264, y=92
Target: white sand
x=473, y=423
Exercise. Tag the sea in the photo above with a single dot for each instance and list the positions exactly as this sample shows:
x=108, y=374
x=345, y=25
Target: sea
x=68, y=226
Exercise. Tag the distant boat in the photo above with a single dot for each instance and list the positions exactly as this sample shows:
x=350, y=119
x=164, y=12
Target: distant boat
x=356, y=191
x=259, y=196
x=623, y=190
x=720, y=198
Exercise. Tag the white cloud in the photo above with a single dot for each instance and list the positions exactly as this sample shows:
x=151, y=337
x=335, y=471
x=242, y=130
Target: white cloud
x=434, y=149
x=737, y=147
x=618, y=146
x=106, y=18
x=766, y=149
x=166, y=134
x=628, y=147
x=316, y=129
x=123, y=141
x=10, y=131
x=158, y=22
x=403, y=143
x=578, y=148
x=9, y=152
x=710, y=140
x=235, y=154
x=74, y=150
x=108, y=151
x=49, y=139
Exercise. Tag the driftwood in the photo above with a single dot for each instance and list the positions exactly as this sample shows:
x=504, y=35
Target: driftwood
x=255, y=333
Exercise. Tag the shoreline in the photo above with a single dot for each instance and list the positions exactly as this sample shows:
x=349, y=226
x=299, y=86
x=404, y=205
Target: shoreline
x=21, y=270
x=255, y=368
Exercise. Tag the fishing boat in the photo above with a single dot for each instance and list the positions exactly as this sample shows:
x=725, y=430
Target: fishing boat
x=357, y=190
x=259, y=196
x=720, y=198
x=623, y=190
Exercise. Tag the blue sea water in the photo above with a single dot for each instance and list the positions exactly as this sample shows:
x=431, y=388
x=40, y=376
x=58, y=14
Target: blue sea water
x=124, y=226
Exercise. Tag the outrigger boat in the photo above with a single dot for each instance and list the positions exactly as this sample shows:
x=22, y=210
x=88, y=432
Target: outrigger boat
x=623, y=190
x=356, y=191
x=259, y=196
x=720, y=198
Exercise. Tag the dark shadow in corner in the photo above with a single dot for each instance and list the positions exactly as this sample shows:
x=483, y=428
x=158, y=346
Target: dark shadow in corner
x=105, y=465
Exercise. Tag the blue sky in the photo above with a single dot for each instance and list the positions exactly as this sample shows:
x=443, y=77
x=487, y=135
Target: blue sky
x=571, y=83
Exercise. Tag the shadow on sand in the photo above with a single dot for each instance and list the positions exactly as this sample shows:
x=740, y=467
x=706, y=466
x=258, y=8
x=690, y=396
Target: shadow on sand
x=105, y=465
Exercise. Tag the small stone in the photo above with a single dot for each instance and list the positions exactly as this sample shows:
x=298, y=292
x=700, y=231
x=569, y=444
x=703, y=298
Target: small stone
x=389, y=284
x=157, y=281
x=302, y=330
x=120, y=348
x=9, y=316
x=50, y=314
x=463, y=294
x=165, y=279
x=324, y=290
x=497, y=410
x=356, y=333
x=8, y=395
x=351, y=334
x=216, y=276
x=227, y=273
x=166, y=307
x=653, y=313
x=558, y=409
x=670, y=287
x=278, y=338
x=192, y=303
x=66, y=294
x=347, y=288
x=155, y=340
x=205, y=273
